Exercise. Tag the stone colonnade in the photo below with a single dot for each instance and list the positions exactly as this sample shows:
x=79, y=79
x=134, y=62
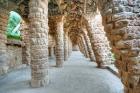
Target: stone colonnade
x=121, y=22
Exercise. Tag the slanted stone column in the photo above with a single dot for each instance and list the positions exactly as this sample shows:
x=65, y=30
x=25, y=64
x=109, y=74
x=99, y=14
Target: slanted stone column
x=83, y=43
x=80, y=47
x=89, y=47
x=3, y=40
x=39, y=42
x=59, y=41
x=65, y=46
x=69, y=46
x=85, y=46
x=99, y=42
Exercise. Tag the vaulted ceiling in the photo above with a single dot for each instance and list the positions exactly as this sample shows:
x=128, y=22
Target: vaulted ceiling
x=73, y=10
x=61, y=7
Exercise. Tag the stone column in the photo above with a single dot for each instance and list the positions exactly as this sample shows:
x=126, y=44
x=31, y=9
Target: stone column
x=39, y=42
x=49, y=51
x=80, y=47
x=99, y=42
x=3, y=40
x=54, y=49
x=65, y=46
x=59, y=42
x=89, y=47
x=69, y=46
x=84, y=46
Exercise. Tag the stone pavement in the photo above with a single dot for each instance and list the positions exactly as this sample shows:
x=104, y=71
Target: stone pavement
x=78, y=75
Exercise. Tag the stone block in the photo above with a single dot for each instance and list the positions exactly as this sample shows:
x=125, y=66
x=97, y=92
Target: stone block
x=121, y=24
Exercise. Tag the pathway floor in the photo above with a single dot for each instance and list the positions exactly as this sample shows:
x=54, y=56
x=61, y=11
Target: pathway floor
x=78, y=75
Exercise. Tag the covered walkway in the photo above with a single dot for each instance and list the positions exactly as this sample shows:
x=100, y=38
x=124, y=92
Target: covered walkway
x=78, y=75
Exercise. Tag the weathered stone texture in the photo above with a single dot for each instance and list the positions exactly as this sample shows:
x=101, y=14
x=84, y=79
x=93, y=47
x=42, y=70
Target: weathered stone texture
x=39, y=42
x=66, y=46
x=15, y=56
x=89, y=47
x=69, y=46
x=121, y=20
x=3, y=40
x=99, y=42
x=26, y=57
x=51, y=46
x=59, y=43
x=84, y=46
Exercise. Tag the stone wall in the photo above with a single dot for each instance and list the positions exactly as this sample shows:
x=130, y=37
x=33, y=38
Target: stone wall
x=15, y=56
x=3, y=39
x=26, y=57
x=10, y=55
x=121, y=19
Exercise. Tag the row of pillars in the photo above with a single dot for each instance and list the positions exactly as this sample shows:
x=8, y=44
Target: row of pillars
x=39, y=43
x=62, y=49
x=125, y=45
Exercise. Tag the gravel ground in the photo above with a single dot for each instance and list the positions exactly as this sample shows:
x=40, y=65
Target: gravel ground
x=78, y=75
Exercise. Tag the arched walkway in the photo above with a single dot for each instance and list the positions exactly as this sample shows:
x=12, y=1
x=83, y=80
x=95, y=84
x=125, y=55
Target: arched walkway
x=78, y=75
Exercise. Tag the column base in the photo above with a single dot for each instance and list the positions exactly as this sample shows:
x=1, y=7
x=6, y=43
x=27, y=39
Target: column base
x=39, y=83
x=59, y=66
x=66, y=59
x=92, y=59
x=101, y=65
